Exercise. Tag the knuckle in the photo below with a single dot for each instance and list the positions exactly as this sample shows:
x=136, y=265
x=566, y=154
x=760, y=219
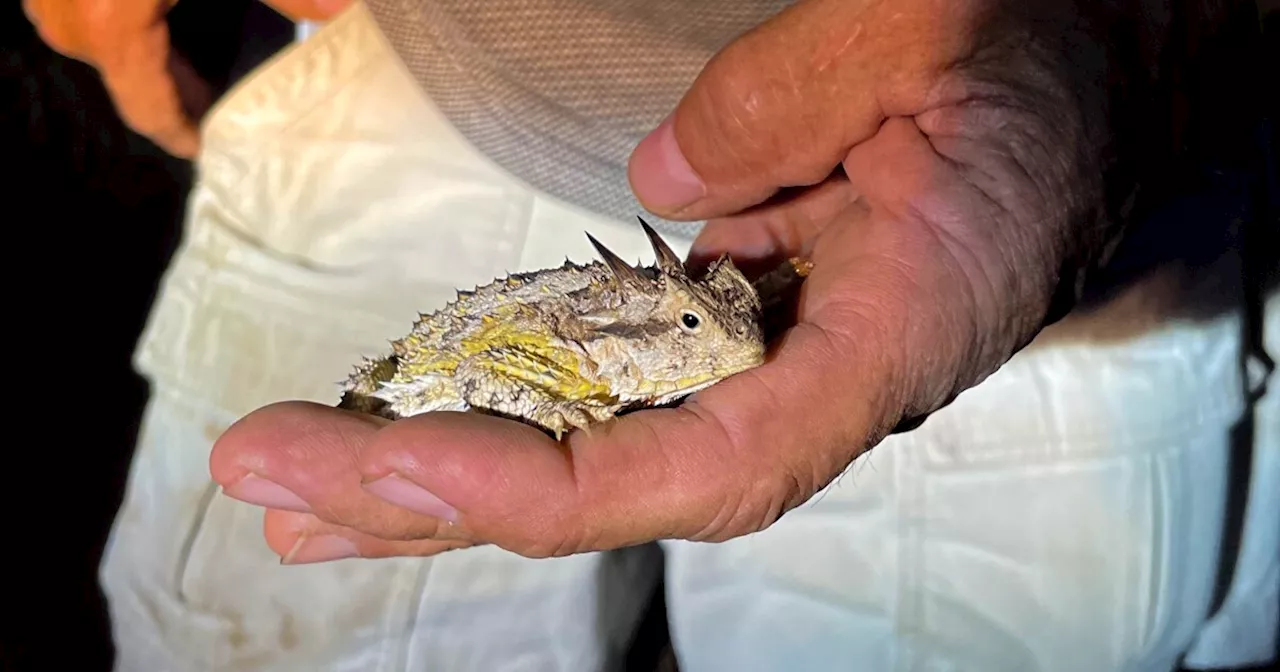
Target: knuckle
x=738, y=104
x=788, y=488
x=754, y=498
x=728, y=521
x=380, y=525
x=549, y=535
x=756, y=506
x=549, y=547
x=752, y=113
x=746, y=498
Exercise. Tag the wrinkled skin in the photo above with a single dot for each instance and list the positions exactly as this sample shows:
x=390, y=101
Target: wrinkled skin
x=155, y=90
x=940, y=174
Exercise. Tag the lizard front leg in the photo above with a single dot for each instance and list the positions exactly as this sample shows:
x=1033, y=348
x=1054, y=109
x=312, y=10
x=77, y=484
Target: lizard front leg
x=488, y=382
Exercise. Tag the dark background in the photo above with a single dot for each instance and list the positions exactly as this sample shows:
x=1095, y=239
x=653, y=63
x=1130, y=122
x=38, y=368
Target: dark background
x=92, y=213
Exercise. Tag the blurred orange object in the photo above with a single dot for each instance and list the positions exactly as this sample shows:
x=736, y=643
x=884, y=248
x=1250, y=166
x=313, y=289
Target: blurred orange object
x=157, y=93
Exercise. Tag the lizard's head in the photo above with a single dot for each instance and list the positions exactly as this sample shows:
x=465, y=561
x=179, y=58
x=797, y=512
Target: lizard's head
x=677, y=334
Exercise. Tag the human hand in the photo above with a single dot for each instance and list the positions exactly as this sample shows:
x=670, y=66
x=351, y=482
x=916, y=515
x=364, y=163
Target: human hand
x=155, y=90
x=938, y=176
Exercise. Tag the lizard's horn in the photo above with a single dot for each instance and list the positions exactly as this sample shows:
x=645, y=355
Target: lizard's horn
x=667, y=260
x=624, y=272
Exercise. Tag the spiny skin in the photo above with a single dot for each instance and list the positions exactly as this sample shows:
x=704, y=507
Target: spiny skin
x=572, y=346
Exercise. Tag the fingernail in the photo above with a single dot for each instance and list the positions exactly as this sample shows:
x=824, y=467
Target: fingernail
x=254, y=489
x=660, y=175
x=320, y=548
x=404, y=493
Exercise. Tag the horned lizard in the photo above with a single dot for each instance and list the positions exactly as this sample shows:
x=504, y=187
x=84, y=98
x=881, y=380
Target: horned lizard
x=573, y=346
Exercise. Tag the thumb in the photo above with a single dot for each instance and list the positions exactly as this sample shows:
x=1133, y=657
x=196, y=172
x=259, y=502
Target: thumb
x=783, y=104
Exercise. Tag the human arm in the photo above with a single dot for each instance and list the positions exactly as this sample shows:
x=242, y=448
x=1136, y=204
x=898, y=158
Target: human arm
x=976, y=168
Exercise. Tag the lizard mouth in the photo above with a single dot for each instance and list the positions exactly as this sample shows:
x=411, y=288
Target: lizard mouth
x=666, y=390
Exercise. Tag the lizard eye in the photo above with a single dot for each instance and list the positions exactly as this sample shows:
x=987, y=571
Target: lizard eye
x=690, y=321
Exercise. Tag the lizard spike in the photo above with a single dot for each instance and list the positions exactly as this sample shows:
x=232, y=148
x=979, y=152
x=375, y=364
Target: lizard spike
x=667, y=259
x=625, y=273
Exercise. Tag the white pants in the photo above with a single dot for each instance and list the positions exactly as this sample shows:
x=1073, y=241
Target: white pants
x=1064, y=515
